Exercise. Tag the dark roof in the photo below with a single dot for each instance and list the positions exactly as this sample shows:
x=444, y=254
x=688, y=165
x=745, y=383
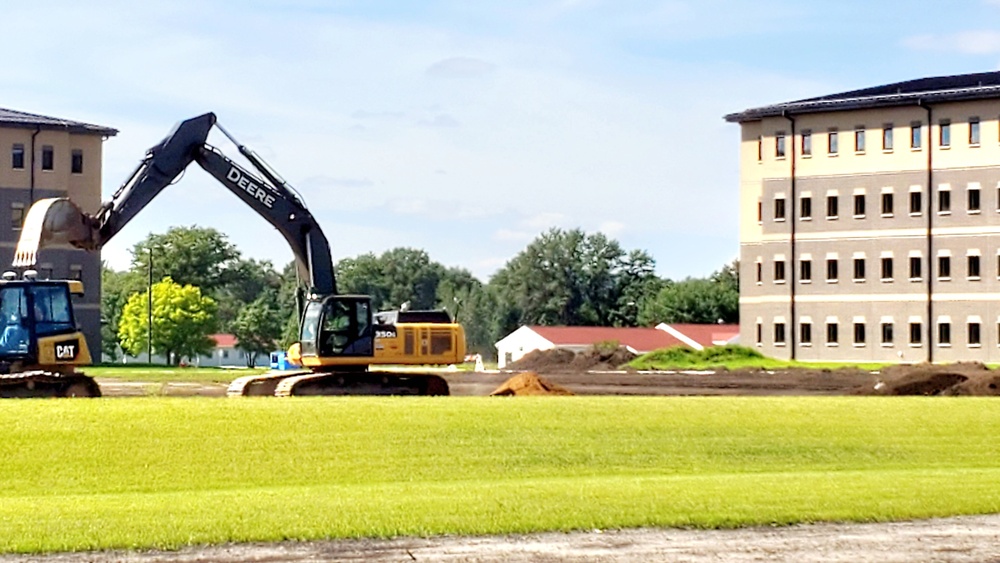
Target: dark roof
x=11, y=118
x=978, y=86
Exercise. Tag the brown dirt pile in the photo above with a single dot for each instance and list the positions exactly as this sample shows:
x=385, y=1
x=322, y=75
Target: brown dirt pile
x=968, y=378
x=559, y=360
x=529, y=383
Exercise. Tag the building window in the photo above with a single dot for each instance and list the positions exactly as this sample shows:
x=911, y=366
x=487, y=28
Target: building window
x=887, y=268
x=760, y=212
x=779, y=334
x=886, y=333
x=973, y=266
x=859, y=139
x=779, y=271
x=944, y=267
x=944, y=202
x=944, y=333
x=831, y=207
x=805, y=271
x=832, y=147
x=76, y=163
x=806, y=334
x=916, y=203
x=760, y=272
x=887, y=204
x=16, y=216
x=915, y=273
x=915, y=140
x=779, y=209
x=805, y=208
x=831, y=270
x=944, y=133
x=831, y=333
x=916, y=333
x=760, y=148
x=48, y=157
x=974, y=131
x=859, y=205
x=760, y=333
x=859, y=334
x=973, y=199
x=779, y=144
x=45, y=272
x=887, y=137
x=17, y=156
x=75, y=272
x=974, y=335
x=807, y=143
x=859, y=269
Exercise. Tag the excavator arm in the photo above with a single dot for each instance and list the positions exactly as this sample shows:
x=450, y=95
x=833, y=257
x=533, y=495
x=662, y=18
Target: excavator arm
x=59, y=220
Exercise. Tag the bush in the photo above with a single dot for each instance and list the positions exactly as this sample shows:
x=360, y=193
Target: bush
x=684, y=357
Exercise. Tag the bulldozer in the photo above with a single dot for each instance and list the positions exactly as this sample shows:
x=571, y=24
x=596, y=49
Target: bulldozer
x=40, y=344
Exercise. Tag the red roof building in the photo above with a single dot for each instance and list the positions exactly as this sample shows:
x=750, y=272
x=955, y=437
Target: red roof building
x=637, y=340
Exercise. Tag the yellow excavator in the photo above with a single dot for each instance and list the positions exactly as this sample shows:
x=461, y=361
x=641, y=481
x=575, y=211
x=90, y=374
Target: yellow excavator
x=341, y=337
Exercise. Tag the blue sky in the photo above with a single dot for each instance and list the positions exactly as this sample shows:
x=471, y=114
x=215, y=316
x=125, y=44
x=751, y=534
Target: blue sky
x=468, y=128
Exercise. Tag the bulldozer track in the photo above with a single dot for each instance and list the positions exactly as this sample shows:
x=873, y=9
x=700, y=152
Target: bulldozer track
x=41, y=384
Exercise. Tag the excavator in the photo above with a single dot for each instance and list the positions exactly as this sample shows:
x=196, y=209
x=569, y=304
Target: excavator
x=344, y=345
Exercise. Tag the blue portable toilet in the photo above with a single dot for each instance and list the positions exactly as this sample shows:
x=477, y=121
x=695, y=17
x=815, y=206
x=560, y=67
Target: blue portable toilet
x=279, y=361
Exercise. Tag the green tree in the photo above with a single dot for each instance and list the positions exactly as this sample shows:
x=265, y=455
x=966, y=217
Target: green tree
x=258, y=327
x=183, y=319
x=571, y=278
x=196, y=256
x=397, y=276
x=116, y=288
x=693, y=300
x=246, y=281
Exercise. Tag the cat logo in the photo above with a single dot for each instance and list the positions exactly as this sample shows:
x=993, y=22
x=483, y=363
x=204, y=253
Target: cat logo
x=67, y=350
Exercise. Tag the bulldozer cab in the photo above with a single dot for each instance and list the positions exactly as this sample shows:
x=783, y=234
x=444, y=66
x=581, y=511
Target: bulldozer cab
x=29, y=310
x=337, y=325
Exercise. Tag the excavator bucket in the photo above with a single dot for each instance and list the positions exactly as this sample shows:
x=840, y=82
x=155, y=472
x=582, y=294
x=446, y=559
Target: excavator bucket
x=51, y=222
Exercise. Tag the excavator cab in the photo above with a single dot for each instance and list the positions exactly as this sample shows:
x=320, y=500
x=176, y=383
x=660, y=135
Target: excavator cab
x=338, y=326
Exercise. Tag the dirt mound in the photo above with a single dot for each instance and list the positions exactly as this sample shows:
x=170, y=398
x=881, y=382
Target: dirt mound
x=602, y=360
x=967, y=378
x=529, y=383
x=544, y=360
x=560, y=360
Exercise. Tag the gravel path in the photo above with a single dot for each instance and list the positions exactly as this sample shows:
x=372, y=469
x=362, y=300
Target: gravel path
x=964, y=539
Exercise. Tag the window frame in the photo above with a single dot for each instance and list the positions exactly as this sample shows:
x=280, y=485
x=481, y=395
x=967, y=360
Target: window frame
x=48, y=158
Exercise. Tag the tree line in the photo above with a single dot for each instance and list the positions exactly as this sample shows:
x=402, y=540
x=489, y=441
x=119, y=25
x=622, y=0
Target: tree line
x=202, y=284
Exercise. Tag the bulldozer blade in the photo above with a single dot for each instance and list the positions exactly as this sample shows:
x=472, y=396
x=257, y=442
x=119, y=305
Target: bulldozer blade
x=51, y=222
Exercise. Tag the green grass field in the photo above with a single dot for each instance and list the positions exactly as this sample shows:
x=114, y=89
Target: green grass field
x=161, y=374
x=160, y=472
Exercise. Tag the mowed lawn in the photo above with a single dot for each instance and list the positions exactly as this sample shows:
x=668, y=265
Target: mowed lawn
x=161, y=472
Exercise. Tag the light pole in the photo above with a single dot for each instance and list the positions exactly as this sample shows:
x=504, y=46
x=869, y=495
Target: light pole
x=149, y=344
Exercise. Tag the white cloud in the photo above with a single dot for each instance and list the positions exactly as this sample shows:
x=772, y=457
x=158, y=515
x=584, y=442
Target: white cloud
x=612, y=229
x=966, y=42
x=512, y=235
x=460, y=67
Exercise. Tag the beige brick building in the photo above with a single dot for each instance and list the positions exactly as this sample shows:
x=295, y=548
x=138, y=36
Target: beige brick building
x=49, y=157
x=870, y=223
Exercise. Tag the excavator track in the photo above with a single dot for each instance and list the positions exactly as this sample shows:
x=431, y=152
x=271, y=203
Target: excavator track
x=45, y=384
x=262, y=385
x=362, y=383
x=304, y=383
